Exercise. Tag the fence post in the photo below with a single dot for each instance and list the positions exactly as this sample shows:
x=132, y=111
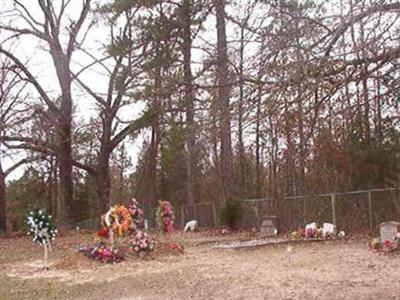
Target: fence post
x=304, y=210
x=256, y=211
x=182, y=216
x=214, y=214
x=333, y=204
x=370, y=211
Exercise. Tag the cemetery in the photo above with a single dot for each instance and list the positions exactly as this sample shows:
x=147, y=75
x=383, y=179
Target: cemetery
x=123, y=258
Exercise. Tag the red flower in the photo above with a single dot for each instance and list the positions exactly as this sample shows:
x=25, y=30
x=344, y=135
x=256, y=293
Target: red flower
x=310, y=232
x=103, y=232
x=176, y=246
x=389, y=244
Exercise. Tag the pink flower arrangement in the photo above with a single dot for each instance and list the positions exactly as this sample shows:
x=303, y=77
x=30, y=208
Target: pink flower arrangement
x=310, y=232
x=102, y=253
x=165, y=217
x=387, y=246
x=390, y=245
x=142, y=242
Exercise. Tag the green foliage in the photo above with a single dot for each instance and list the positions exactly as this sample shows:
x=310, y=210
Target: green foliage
x=121, y=46
x=26, y=193
x=375, y=159
x=231, y=213
x=172, y=148
x=173, y=168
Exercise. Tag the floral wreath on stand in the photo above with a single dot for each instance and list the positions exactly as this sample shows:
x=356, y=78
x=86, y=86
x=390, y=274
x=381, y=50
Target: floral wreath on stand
x=42, y=229
x=165, y=217
x=119, y=219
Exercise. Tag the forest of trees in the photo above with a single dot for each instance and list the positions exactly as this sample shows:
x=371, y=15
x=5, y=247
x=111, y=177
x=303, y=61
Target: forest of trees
x=240, y=98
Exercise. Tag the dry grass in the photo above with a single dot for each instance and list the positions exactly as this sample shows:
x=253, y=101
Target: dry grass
x=331, y=270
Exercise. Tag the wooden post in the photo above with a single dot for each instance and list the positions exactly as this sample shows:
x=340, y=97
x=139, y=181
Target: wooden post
x=370, y=217
x=183, y=216
x=304, y=210
x=111, y=236
x=333, y=203
x=214, y=214
x=45, y=255
x=256, y=211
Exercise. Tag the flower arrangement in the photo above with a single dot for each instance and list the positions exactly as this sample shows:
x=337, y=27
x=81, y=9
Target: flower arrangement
x=124, y=222
x=41, y=227
x=307, y=233
x=165, y=217
x=142, y=242
x=119, y=219
x=386, y=246
x=313, y=233
x=102, y=253
x=136, y=214
x=176, y=247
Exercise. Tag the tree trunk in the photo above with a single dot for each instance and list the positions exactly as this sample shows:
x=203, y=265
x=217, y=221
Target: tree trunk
x=151, y=178
x=258, y=147
x=65, y=173
x=103, y=164
x=224, y=103
x=103, y=184
x=53, y=183
x=242, y=158
x=190, y=123
x=64, y=129
x=3, y=221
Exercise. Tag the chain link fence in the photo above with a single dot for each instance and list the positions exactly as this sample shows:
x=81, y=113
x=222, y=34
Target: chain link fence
x=350, y=211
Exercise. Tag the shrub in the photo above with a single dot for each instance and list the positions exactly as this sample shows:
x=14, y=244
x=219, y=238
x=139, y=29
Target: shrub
x=231, y=212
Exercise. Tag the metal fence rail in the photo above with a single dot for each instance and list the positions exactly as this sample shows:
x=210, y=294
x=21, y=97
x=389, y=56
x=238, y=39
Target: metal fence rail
x=353, y=210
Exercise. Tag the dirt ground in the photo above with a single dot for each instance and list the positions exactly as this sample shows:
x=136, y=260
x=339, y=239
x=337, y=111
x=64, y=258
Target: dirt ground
x=323, y=270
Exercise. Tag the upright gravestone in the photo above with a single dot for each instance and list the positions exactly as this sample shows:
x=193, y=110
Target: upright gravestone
x=269, y=226
x=389, y=231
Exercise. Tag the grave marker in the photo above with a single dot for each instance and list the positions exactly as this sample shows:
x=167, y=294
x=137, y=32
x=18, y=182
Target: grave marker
x=389, y=231
x=268, y=226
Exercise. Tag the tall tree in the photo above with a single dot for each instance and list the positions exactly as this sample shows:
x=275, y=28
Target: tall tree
x=224, y=99
x=49, y=30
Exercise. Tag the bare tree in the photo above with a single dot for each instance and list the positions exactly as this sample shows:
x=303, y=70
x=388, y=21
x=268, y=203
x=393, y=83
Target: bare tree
x=49, y=30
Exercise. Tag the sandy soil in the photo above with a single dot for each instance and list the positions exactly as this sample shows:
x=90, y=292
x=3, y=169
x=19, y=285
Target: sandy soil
x=324, y=270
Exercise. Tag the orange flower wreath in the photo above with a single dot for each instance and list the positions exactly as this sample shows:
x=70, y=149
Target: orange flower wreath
x=119, y=219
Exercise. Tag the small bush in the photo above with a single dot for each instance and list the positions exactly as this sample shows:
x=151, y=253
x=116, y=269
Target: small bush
x=231, y=212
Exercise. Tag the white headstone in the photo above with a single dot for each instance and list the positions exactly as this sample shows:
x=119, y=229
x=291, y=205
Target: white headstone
x=328, y=229
x=191, y=226
x=312, y=225
x=268, y=226
x=389, y=231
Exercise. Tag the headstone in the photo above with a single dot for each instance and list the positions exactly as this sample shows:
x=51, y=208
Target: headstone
x=312, y=226
x=389, y=231
x=328, y=229
x=191, y=226
x=268, y=226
